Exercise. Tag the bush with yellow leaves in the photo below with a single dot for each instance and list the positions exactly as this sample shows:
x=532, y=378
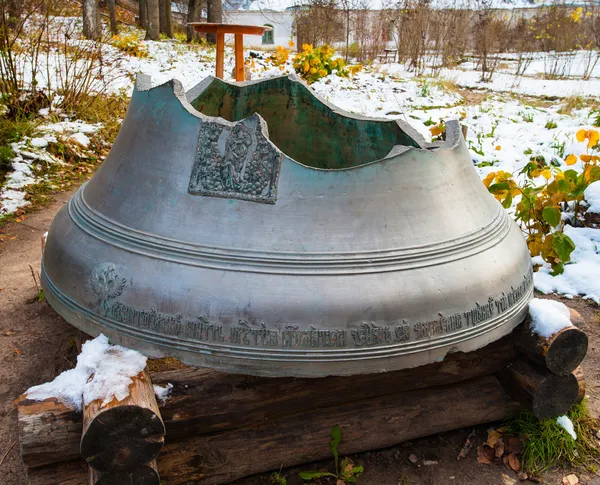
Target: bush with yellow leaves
x=313, y=64
x=280, y=57
x=130, y=44
x=540, y=209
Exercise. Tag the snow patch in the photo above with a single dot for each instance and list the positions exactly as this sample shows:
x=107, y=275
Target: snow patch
x=103, y=372
x=567, y=424
x=162, y=393
x=38, y=142
x=592, y=195
x=80, y=138
x=548, y=316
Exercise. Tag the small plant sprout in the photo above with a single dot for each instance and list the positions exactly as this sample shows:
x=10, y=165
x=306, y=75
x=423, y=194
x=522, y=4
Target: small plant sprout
x=345, y=470
x=551, y=125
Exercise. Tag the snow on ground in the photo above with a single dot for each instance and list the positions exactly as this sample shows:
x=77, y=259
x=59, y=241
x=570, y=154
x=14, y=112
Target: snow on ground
x=103, y=371
x=31, y=154
x=566, y=423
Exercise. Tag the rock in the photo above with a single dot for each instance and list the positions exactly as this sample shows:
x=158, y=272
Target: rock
x=429, y=462
x=570, y=480
x=412, y=458
x=523, y=476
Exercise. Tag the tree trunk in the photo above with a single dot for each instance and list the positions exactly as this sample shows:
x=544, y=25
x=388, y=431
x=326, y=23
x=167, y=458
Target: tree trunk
x=193, y=15
x=303, y=437
x=92, y=28
x=214, y=15
x=166, y=18
x=153, y=30
x=547, y=394
x=143, y=15
x=112, y=13
x=560, y=353
x=123, y=435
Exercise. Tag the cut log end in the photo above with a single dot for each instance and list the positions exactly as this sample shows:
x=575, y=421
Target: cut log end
x=122, y=438
x=555, y=396
x=567, y=351
x=143, y=475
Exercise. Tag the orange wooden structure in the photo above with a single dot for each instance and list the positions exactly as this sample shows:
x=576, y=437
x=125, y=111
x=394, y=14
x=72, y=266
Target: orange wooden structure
x=238, y=30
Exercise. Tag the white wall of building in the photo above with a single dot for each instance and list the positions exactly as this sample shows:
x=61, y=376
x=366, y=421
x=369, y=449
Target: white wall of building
x=282, y=23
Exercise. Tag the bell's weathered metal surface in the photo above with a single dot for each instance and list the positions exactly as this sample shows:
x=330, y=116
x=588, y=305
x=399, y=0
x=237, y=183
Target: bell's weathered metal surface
x=254, y=228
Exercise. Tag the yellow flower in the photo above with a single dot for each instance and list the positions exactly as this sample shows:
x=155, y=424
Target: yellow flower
x=315, y=61
x=435, y=130
x=489, y=178
x=571, y=159
x=291, y=43
x=307, y=47
x=313, y=70
x=498, y=147
x=546, y=173
x=306, y=66
x=581, y=135
x=593, y=137
x=322, y=72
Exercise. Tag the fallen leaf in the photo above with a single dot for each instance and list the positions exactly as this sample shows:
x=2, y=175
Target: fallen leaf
x=9, y=333
x=513, y=445
x=499, y=448
x=348, y=468
x=506, y=480
x=513, y=462
x=493, y=437
x=485, y=454
x=18, y=351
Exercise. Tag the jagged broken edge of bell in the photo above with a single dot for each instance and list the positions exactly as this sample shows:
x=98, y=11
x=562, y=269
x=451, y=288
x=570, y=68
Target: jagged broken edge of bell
x=286, y=269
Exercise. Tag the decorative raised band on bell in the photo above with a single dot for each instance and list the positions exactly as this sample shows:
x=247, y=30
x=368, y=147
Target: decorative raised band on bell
x=254, y=228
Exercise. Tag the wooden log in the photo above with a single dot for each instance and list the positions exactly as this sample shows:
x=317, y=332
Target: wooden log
x=123, y=435
x=204, y=401
x=143, y=475
x=578, y=373
x=561, y=353
x=368, y=424
x=547, y=394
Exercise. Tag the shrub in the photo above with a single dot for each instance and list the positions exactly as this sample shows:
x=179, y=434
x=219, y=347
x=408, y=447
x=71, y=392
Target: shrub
x=314, y=64
x=541, y=207
x=130, y=44
x=280, y=56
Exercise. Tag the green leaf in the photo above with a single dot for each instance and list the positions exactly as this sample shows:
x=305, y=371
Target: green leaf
x=499, y=187
x=557, y=268
x=563, y=245
x=552, y=216
x=507, y=202
x=336, y=437
x=313, y=475
x=595, y=174
x=563, y=186
x=579, y=189
x=570, y=176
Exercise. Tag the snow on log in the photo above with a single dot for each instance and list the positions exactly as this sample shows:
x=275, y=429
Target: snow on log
x=123, y=435
x=549, y=337
x=547, y=394
x=203, y=401
x=143, y=475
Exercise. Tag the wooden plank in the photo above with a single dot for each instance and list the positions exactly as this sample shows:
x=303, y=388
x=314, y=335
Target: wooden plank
x=240, y=73
x=205, y=401
x=304, y=437
x=220, y=61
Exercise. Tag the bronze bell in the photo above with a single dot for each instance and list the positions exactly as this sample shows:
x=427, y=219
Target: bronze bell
x=254, y=228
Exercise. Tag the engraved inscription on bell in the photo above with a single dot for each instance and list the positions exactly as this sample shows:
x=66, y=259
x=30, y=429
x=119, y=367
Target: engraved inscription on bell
x=236, y=162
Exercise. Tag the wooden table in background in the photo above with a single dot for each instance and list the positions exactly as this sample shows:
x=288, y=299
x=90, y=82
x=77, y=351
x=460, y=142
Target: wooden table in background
x=238, y=30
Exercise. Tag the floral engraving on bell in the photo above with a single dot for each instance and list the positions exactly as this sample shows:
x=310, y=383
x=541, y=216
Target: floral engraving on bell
x=236, y=162
x=107, y=285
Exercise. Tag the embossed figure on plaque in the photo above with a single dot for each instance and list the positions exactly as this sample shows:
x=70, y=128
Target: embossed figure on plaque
x=254, y=228
x=247, y=168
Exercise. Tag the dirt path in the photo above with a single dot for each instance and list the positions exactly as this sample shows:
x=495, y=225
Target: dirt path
x=36, y=345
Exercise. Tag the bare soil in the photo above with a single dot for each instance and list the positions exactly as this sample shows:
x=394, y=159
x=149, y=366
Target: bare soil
x=36, y=344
